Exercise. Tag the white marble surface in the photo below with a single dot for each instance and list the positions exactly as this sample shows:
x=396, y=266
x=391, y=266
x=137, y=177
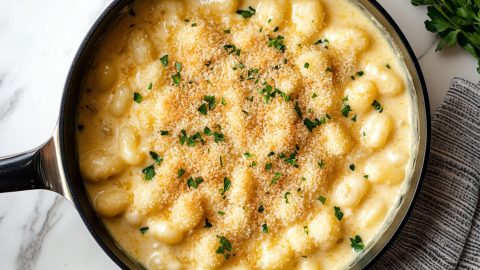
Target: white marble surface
x=38, y=39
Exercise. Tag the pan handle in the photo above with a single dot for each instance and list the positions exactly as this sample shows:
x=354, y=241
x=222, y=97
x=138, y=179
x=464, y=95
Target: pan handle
x=21, y=172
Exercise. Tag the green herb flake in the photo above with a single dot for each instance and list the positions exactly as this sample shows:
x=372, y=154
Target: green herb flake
x=305, y=230
x=247, y=155
x=164, y=60
x=191, y=182
x=137, y=97
x=352, y=167
x=207, y=224
x=322, y=199
x=276, y=178
x=180, y=172
x=211, y=101
x=321, y=164
x=178, y=67
x=360, y=73
x=221, y=213
x=298, y=110
x=314, y=95
x=354, y=118
x=377, y=106
x=143, y=230
x=356, y=243
x=225, y=247
x=388, y=66
x=277, y=43
x=306, y=65
x=328, y=69
x=247, y=13
x=148, y=172
x=264, y=228
x=158, y=159
x=261, y=208
x=176, y=79
x=285, y=196
x=223, y=101
x=226, y=185
x=268, y=166
x=203, y=109
x=194, y=24
x=164, y=133
x=276, y=29
x=365, y=176
x=227, y=31
x=338, y=212
x=150, y=86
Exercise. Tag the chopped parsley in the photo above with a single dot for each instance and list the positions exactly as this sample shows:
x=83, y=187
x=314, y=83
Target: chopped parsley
x=164, y=60
x=354, y=118
x=388, y=66
x=150, y=86
x=323, y=42
x=315, y=123
x=231, y=49
x=306, y=65
x=191, y=182
x=211, y=102
x=276, y=178
x=252, y=73
x=226, y=185
x=322, y=199
x=314, y=95
x=164, y=132
x=268, y=166
x=356, y=243
x=292, y=159
x=227, y=31
x=338, y=212
x=276, y=29
x=192, y=140
x=247, y=155
x=298, y=111
x=328, y=69
x=176, y=79
x=305, y=229
x=143, y=230
x=277, y=43
x=158, y=159
x=225, y=247
x=221, y=213
x=352, y=167
x=264, y=228
x=261, y=209
x=194, y=24
x=148, y=172
x=178, y=67
x=365, y=176
x=247, y=13
x=286, y=196
x=360, y=73
x=180, y=172
x=207, y=224
x=321, y=164
x=377, y=106
x=137, y=97
x=346, y=109
x=203, y=109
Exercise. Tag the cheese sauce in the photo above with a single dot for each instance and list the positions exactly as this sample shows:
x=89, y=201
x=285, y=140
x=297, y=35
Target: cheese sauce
x=245, y=134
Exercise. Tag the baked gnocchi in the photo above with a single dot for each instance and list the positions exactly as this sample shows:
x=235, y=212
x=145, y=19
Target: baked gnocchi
x=216, y=134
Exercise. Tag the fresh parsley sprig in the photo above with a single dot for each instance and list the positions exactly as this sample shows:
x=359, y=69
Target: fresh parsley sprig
x=455, y=21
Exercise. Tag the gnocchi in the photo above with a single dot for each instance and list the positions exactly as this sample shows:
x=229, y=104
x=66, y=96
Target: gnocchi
x=259, y=134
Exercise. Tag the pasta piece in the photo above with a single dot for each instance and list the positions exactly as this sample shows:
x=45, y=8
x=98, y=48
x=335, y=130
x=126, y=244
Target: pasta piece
x=308, y=264
x=372, y=214
x=347, y=39
x=376, y=130
x=204, y=253
x=300, y=241
x=242, y=186
x=388, y=83
x=337, y=140
x=307, y=16
x=98, y=166
x=139, y=46
x=149, y=78
x=128, y=143
x=236, y=220
x=271, y=13
x=159, y=261
x=165, y=231
x=317, y=64
x=121, y=100
x=275, y=257
x=187, y=212
x=105, y=76
x=325, y=230
x=351, y=190
x=386, y=170
x=111, y=203
x=361, y=95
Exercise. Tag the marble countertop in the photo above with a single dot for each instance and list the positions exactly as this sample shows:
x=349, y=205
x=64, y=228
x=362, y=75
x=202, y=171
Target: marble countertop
x=38, y=39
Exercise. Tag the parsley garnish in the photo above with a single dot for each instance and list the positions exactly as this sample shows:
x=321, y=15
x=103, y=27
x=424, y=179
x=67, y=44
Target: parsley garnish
x=207, y=224
x=261, y=209
x=346, y=109
x=225, y=247
x=352, y=167
x=137, y=97
x=277, y=43
x=365, y=176
x=226, y=185
x=305, y=229
x=164, y=133
x=388, y=66
x=164, y=60
x=315, y=123
x=148, y=172
x=150, y=86
x=306, y=65
x=180, y=172
x=321, y=164
x=264, y=228
x=286, y=196
x=176, y=79
x=211, y=102
x=247, y=13
x=158, y=159
x=221, y=213
x=203, y=109
x=232, y=49
x=227, y=31
x=360, y=73
x=143, y=230
x=194, y=182
x=190, y=141
x=338, y=212
x=276, y=178
x=298, y=111
x=377, y=106
x=247, y=155
x=356, y=243
x=268, y=166
x=322, y=199
x=292, y=159
x=354, y=118
x=251, y=73
x=178, y=67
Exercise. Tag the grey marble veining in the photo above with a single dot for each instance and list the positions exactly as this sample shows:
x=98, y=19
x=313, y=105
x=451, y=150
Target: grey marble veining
x=40, y=230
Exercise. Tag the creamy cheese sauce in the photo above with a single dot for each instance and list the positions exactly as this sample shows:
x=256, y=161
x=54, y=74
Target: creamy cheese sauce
x=245, y=134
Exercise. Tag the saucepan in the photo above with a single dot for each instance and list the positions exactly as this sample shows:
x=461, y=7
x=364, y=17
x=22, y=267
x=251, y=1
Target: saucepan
x=54, y=165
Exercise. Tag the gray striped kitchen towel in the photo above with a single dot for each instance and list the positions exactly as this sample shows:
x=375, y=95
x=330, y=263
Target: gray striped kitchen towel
x=443, y=231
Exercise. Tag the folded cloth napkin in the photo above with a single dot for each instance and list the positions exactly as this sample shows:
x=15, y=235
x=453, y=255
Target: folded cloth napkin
x=443, y=231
